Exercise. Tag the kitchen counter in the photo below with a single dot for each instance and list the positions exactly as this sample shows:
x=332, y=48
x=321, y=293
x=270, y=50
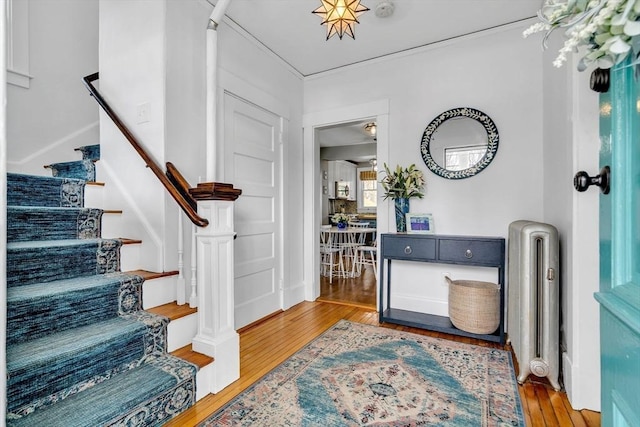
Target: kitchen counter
x=365, y=216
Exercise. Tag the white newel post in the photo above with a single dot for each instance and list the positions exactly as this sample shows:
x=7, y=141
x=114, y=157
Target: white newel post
x=216, y=335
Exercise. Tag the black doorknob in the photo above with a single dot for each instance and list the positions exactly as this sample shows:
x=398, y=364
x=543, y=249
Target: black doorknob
x=582, y=181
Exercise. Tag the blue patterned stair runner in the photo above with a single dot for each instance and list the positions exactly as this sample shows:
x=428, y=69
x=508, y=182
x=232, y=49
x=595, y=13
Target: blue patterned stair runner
x=26, y=223
x=90, y=152
x=79, y=169
x=30, y=190
x=80, y=349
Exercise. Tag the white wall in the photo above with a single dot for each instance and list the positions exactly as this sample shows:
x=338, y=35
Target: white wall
x=46, y=121
x=544, y=140
x=496, y=72
x=166, y=67
x=132, y=73
x=3, y=213
x=571, y=144
x=267, y=82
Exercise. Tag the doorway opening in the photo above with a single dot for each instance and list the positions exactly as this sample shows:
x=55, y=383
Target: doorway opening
x=348, y=164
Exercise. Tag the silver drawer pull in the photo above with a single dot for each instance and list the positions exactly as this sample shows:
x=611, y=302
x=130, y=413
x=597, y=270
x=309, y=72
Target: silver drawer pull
x=408, y=250
x=468, y=253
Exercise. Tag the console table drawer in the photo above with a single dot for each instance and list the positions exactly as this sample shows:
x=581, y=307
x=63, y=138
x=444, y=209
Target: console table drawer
x=471, y=251
x=409, y=248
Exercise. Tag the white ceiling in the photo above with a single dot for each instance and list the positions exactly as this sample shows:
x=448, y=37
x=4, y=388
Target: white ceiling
x=291, y=31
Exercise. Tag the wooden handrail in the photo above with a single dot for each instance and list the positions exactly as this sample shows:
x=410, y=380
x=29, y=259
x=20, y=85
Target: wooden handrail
x=180, y=183
x=183, y=198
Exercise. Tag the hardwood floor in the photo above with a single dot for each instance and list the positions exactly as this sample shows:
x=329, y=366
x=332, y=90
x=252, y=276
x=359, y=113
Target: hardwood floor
x=265, y=345
x=359, y=291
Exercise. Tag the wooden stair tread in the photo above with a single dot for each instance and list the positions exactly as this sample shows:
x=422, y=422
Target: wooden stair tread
x=187, y=353
x=126, y=241
x=150, y=275
x=172, y=310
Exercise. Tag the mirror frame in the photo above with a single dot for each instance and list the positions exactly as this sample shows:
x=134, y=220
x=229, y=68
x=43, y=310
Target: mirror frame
x=472, y=113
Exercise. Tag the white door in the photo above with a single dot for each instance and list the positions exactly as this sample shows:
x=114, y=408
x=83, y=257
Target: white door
x=252, y=138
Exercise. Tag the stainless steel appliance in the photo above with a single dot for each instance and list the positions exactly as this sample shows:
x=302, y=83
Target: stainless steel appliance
x=343, y=190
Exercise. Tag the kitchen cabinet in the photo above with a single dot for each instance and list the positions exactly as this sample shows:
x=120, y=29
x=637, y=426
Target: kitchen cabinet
x=331, y=181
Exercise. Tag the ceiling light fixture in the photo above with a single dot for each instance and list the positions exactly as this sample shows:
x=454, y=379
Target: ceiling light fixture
x=371, y=128
x=340, y=16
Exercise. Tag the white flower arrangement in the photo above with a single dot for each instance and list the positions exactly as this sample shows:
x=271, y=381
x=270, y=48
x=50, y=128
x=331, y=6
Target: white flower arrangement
x=340, y=218
x=609, y=29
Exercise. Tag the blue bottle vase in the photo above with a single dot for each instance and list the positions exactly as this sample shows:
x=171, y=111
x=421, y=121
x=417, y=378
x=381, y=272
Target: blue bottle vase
x=402, y=208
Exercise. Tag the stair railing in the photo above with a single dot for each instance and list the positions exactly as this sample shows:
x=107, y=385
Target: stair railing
x=172, y=180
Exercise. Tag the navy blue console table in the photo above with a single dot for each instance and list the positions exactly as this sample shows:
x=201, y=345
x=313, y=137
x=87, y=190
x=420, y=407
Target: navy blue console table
x=433, y=248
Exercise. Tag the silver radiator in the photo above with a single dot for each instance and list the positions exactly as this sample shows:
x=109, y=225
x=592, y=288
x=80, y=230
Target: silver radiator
x=533, y=312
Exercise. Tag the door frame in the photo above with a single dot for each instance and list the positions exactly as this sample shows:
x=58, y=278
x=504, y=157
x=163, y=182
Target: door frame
x=312, y=203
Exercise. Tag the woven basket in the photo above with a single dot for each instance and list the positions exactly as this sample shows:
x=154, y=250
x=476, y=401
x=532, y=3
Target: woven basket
x=474, y=306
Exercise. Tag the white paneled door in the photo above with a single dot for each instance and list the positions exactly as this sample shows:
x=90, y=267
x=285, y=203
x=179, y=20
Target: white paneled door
x=252, y=144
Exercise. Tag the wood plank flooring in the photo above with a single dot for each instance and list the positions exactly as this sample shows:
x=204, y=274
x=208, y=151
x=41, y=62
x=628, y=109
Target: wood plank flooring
x=359, y=291
x=265, y=345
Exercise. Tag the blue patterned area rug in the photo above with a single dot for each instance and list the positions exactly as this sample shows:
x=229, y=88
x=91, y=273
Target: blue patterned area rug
x=363, y=375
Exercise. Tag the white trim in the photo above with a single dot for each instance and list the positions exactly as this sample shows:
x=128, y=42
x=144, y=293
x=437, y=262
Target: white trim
x=3, y=214
x=390, y=57
x=257, y=43
x=17, y=78
x=243, y=89
x=377, y=110
x=17, y=43
x=425, y=48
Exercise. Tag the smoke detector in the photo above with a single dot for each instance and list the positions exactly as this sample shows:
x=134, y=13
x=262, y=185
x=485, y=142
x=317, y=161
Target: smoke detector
x=384, y=9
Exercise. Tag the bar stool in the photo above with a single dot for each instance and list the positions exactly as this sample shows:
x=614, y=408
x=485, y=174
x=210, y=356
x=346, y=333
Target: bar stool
x=363, y=260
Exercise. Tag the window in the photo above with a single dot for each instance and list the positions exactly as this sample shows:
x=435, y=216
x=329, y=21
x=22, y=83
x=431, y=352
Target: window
x=367, y=190
x=369, y=194
x=461, y=158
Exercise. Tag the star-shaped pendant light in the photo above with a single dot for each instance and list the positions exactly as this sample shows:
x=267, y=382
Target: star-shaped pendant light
x=340, y=16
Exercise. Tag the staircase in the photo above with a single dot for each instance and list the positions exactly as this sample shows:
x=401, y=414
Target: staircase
x=81, y=351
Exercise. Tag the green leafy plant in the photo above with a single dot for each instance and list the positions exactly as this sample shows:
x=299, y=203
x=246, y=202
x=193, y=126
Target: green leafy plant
x=403, y=183
x=608, y=30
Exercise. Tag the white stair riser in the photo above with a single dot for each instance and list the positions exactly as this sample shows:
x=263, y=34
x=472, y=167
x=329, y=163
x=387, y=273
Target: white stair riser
x=203, y=381
x=111, y=223
x=130, y=257
x=181, y=331
x=100, y=175
x=93, y=196
x=158, y=291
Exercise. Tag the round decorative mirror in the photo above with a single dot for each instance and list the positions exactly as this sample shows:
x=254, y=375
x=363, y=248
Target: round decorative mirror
x=459, y=143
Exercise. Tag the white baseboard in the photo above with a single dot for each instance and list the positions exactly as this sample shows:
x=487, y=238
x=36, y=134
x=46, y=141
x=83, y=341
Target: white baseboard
x=583, y=388
x=420, y=304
